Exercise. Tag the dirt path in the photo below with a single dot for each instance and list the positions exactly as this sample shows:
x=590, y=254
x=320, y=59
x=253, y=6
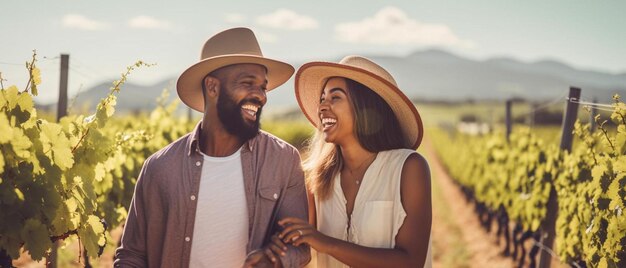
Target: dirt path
x=454, y=222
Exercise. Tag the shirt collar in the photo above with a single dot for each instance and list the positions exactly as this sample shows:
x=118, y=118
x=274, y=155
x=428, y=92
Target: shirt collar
x=195, y=141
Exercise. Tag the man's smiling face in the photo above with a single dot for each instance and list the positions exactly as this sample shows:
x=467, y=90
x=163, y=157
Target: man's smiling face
x=241, y=98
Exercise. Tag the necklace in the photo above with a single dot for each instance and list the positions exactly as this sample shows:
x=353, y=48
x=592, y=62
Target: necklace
x=358, y=181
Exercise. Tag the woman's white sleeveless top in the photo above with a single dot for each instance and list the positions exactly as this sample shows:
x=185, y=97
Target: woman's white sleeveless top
x=378, y=213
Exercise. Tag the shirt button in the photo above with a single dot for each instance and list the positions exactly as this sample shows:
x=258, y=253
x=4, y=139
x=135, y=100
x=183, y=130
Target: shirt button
x=187, y=239
x=193, y=197
x=275, y=196
x=198, y=163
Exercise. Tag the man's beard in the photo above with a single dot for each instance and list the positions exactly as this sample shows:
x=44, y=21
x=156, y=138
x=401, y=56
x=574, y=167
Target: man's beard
x=229, y=113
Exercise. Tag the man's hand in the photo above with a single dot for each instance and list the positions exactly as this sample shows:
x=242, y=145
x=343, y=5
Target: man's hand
x=258, y=259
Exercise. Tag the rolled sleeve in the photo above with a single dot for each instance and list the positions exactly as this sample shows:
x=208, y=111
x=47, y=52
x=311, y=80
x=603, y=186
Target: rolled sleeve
x=295, y=205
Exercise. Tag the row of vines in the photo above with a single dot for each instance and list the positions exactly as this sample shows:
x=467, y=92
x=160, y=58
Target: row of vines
x=510, y=183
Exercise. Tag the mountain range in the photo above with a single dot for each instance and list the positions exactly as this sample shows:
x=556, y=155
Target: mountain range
x=426, y=75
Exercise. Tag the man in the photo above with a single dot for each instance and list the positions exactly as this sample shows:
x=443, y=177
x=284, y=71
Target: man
x=213, y=197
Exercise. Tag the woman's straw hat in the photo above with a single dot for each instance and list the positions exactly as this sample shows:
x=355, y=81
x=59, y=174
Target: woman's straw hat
x=311, y=78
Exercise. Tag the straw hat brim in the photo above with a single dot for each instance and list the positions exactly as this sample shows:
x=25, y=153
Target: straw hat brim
x=310, y=80
x=189, y=84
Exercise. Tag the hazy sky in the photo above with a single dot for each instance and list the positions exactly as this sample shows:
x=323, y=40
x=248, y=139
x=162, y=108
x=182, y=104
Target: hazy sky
x=103, y=37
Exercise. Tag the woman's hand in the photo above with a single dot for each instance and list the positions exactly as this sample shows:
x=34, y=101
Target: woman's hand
x=297, y=231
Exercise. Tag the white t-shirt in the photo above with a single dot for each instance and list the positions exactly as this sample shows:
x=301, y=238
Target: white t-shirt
x=220, y=233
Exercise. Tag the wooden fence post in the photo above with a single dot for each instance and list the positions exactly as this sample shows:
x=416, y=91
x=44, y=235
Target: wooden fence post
x=534, y=108
x=569, y=118
x=548, y=228
x=61, y=112
x=62, y=104
x=592, y=120
x=509, y=124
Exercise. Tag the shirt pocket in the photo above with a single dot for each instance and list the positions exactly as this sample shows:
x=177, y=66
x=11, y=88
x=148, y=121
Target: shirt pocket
x=270, y=193
x=376, y=228
x=269, y=197
x=266, y=206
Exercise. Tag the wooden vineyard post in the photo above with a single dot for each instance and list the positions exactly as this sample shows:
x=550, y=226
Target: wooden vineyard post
x=509, y=124
x=571, y=113
x=61, y=112
x=548, y=228
x=533, y=114
x=62, y=104
x=594, y=112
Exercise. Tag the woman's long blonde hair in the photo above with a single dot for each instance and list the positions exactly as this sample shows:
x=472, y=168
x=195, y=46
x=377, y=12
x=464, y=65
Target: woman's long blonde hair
x=376, y=128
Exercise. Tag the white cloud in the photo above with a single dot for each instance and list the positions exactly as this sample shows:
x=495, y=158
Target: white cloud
x=391, y=25
x=267, y=37
x=235, y=18
x=287, y=19
x=147, y=22
x=81, y=22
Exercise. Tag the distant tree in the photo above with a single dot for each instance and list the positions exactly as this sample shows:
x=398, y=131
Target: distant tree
x=541, y=117
x=468, y=118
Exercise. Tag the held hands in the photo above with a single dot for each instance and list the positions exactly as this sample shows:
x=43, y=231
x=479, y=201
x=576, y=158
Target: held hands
x=296, y=232
x=258, y=259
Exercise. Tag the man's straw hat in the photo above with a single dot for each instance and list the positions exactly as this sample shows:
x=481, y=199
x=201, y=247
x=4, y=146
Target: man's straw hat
x=232, y=46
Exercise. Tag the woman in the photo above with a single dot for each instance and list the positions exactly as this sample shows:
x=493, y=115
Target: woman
x=369, y=201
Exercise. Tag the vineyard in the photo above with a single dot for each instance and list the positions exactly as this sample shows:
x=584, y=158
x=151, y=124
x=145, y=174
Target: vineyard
x=75, y=178
x=71, y=181
x=510, y=181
